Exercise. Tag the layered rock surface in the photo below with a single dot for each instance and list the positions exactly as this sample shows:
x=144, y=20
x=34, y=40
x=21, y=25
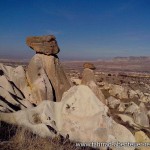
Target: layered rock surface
x=12, y=97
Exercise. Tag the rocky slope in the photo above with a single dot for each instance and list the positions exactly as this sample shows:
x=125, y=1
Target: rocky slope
x=83, y=109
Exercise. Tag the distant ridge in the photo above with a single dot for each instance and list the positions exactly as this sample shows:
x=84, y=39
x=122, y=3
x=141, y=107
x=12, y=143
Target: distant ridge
x=118, y=58
x=130, y=58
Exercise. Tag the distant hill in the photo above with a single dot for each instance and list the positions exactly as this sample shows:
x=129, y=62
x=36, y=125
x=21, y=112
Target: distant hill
x=132, y=58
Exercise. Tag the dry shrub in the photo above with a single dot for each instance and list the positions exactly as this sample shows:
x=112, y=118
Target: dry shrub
x=23, y=139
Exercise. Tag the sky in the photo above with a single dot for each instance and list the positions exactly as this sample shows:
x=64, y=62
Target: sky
x=84, y=29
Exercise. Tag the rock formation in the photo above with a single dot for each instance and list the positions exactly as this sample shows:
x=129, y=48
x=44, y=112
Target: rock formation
x=89, y=65
x=132, y=108
x=43, y=44
x=88, y=79
x=44, y=78
x=45, y=73
x=140, y=116
x=11, y=97
x=118, y=92
x=80, y=114
x=113, y=102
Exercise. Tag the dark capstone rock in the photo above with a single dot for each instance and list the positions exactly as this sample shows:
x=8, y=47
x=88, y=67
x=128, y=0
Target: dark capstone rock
x=43, y=44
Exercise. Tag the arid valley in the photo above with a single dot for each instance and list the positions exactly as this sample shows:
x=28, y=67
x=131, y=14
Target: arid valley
x=44, y=99
x=75, y=75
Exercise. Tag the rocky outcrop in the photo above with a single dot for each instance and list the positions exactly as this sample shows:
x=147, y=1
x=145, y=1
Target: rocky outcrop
x=43, y=44
x=118, y=92
x=140, y=116
x=88, y=79
x=11, y=98
x=46, y=78
x=80, y=114
x=39, y=119
x=18, y=77
x=132, y=108
x=88, y=76
x=113, y=102
x=45, y=74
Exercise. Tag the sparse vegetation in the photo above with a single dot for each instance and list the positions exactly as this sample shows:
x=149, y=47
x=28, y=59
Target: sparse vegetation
x=20, y=138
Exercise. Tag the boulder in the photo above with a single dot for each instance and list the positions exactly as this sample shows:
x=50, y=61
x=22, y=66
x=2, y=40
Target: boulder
x=12, y=95
x=121, y=107
x=119, y=92
x=140, y=116
x=80, y=115
x=127, y=121
x=46, y=78
x=141, y=137
x=80, y=112
x=88, y=76
x=15, y=81
x=43, y=44
x=145, y=98
x=88, y=79
x=113, y=102
x=132, y=108
x=133, y=94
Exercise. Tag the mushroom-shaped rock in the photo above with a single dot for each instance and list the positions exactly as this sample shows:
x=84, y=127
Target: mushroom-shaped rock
x=88, y=79
x=80, y=114
x=43, y=44
x=113, y=102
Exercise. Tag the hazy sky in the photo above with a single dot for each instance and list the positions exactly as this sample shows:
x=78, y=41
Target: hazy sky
x=83, y=28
